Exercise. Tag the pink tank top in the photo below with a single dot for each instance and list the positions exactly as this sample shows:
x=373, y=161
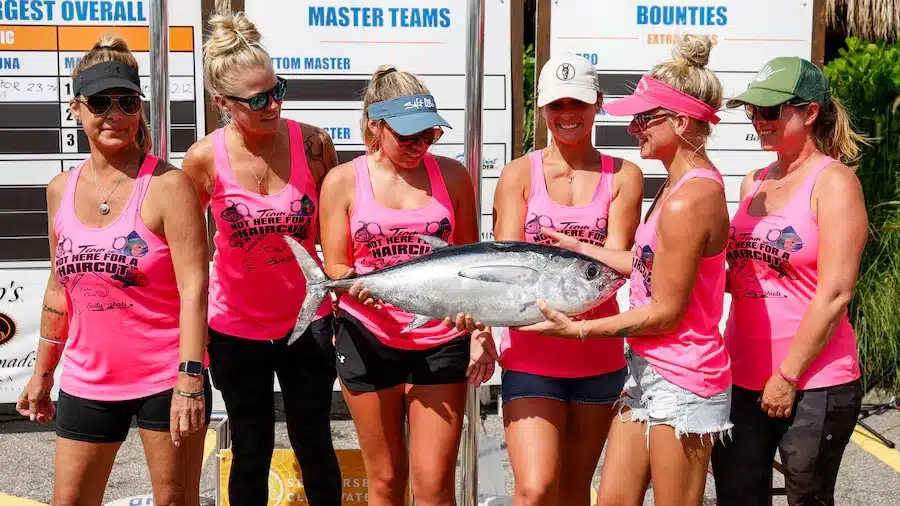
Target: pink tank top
x=122, y=300
x=558, y=357
x=383, y=237
x=693, y=356
x=772, y=274
x=256, y=287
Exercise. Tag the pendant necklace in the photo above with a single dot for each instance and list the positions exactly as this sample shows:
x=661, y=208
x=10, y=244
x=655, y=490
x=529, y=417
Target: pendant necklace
x=265, y=176
x=104, y=207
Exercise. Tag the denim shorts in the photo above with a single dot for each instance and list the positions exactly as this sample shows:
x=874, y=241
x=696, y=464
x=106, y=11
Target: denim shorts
x=655, y=400
x=599, y=389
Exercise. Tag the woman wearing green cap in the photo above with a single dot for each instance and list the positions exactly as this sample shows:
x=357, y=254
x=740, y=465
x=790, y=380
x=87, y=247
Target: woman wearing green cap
x=793, y=256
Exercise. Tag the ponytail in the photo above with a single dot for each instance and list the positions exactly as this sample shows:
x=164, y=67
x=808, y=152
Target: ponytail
x=834, y=132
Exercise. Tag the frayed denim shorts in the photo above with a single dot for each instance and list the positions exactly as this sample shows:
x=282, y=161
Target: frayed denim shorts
x=655, y=400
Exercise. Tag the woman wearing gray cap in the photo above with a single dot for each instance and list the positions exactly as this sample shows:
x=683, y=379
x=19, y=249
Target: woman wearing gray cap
x=125, y=306
x=559, y=393
x=374, y=209
x=796, y=243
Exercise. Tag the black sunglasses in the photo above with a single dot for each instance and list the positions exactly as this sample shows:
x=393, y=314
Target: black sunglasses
x=771, y=113
x=260, y=101
x=101, y=104
x=429, y=136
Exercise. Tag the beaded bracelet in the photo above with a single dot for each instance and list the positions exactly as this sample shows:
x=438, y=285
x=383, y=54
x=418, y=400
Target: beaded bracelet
x=191, y=395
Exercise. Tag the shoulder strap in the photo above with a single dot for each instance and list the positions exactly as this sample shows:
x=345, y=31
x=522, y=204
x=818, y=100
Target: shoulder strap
x=142, y=182
x=538, y=180
x=300, y=173
x=759, y=181
x=438, y=185
x=67, y=200
x=220, y=154
x=607, y=169
x=810, y=181
x=364, y=192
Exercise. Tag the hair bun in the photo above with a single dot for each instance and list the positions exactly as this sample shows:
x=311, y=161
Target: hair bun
x=693, y=50
x=229, y=32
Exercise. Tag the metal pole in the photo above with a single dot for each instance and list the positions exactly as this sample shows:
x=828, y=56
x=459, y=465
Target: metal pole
x=474, y=111
x=159, y=77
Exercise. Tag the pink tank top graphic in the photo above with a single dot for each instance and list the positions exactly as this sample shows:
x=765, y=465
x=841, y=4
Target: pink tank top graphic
x=693, y=356
x=559, y=357
x=772, y=275
x=383, y=237
x=122, y=300
x=256, y=287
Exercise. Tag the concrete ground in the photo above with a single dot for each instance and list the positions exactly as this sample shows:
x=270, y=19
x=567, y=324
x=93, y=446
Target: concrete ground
x=869, y=475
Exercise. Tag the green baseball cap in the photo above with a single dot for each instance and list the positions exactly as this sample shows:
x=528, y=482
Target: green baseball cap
x=782, y=79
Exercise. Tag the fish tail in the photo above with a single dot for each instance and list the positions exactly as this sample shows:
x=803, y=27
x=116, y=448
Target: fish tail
x=316, y=288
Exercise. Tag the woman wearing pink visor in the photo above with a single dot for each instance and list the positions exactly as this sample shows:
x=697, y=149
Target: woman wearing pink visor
x=676, y=400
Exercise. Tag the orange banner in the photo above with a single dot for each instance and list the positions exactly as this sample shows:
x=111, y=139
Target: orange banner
x=27, y=38
x=83, y=38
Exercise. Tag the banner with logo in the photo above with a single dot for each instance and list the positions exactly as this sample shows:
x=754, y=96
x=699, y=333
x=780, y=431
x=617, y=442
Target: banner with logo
x=21, y=293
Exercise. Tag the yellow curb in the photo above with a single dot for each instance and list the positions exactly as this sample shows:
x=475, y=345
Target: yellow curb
x=8, y=500
x=868, y=442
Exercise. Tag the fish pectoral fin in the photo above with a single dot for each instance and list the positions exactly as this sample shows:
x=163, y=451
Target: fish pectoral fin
x=434, y=242
x=509, y=274
x=417, y=321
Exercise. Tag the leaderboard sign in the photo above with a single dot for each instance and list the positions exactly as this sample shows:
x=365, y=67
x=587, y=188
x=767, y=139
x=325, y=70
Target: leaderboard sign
x=328, y=50
x=41, y=42
x=625, y=38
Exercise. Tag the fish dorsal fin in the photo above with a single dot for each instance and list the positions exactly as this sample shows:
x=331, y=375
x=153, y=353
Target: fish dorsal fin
x=417, y=321
x=434, y=242
x=509, y=274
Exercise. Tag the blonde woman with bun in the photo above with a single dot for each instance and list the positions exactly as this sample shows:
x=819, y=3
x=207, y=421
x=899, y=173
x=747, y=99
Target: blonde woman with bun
x=260, y=177
x=675, y=403
x=124, y=311
x=374, y=210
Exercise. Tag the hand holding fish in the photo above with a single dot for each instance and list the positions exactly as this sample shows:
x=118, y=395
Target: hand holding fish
x=555, y=324
x=482, y=356
x=359, y=293
x=464, y=322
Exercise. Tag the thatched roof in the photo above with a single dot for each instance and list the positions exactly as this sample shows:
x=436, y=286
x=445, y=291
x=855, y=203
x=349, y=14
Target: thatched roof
x=866, y=19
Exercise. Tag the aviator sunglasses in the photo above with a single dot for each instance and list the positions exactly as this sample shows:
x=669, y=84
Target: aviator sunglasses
x=643, y=120
x=101, y=104
x=260, y=101
x=771, y=113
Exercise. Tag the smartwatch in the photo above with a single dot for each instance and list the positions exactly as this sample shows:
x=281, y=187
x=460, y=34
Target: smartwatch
x=191, y=368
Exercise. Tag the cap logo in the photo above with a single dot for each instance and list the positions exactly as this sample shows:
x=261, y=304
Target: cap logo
x=565, y=72
x=765, y=74
x=419, y=103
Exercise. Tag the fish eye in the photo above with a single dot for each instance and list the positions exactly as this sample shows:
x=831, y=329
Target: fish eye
x=592, y=271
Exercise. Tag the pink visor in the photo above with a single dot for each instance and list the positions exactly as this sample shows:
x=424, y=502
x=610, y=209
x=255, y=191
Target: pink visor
x=652, y=93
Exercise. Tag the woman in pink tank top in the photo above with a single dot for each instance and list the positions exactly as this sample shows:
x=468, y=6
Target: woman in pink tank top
x=125, y=306
x=794, y=251
x=675, y=402
x=374, y=209
x=558, y=393
x=259, y=176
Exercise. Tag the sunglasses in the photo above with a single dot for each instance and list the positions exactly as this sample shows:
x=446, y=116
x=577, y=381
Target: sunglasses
x=771, y=113
x=260, y=101
x=101, y=104
x=429, y=136
x=643, y=120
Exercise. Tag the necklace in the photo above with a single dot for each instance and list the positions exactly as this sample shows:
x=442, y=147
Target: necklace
x=104, y=207
x=265, y=176
x=571, y=178
x=783, y=181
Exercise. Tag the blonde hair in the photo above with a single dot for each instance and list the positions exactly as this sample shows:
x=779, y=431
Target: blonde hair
x=232, y=49
x=111, y=48
x=387, y=83
x=834, y=132
x=687, y=72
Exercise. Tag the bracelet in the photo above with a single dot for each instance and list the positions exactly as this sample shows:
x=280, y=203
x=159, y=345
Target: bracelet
x=785, y=377
x=48, y=340
x=581, y=331
x=191, y=395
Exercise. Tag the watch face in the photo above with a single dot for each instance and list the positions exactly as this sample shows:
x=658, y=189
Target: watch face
x=192, y=367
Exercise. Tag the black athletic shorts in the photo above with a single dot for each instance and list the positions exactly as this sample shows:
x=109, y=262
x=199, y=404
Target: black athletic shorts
x=365, y=364
x=108, y=421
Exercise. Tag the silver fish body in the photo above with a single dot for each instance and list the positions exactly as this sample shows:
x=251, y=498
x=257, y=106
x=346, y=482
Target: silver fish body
x=498, y=283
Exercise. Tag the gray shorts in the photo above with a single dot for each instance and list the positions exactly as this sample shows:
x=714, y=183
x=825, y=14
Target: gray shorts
x=655, y=400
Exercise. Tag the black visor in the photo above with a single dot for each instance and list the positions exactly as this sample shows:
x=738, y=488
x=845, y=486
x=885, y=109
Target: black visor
x=104, y=76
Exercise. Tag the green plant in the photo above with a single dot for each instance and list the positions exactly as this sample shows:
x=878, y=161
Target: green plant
x=866, y=79
x=528, y=77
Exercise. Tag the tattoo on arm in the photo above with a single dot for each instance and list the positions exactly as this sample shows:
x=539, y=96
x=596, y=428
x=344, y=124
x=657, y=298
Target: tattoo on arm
x=49, y=309
x=319, y=157
x=627, y=331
